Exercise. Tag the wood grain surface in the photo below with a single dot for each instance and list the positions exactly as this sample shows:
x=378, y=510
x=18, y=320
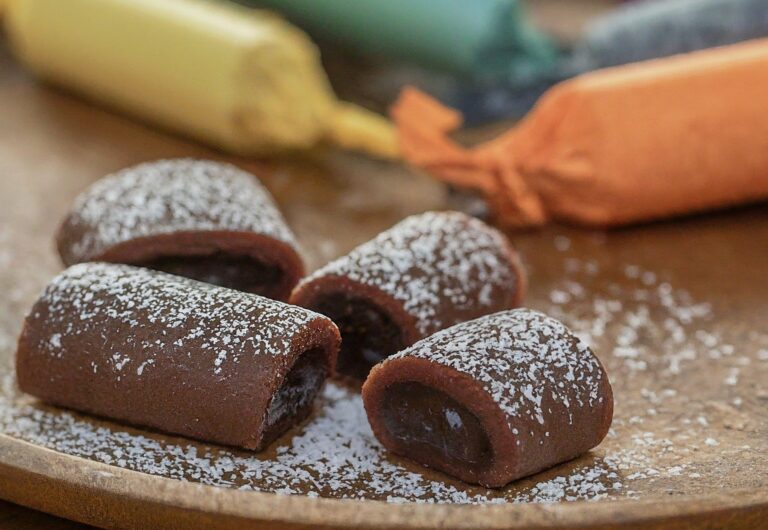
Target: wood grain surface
x=692, y=419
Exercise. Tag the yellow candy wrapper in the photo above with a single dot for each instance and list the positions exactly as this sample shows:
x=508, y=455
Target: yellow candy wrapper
x=239, y=79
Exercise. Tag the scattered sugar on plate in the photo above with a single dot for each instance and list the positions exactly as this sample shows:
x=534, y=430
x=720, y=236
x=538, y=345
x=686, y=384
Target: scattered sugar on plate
x=661, y=346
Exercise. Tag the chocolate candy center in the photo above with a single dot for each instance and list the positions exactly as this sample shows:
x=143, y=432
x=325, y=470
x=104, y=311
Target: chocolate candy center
x=434, y=426
x=368, y=334
x=293, y=401
x=225, y=270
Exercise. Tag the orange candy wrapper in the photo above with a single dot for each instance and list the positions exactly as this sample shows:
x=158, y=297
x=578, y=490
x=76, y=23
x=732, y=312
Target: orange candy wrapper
x=623, y=145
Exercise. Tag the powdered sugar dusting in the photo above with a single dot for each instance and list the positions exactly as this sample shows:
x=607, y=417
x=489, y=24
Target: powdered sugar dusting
x=666, y=409
x=520, y=357
x=170, y=196
x=165, y=312
x=436, y=264
x=681, y=377
x=335, y=455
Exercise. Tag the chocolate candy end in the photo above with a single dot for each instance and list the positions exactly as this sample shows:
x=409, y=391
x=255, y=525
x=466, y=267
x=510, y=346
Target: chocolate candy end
x=369, y=334
x=199, y=219
x=428, y=272
x=437, y=417
x=292, y=403
x=431, y=426
x=491, y=400
x=234, y=272
x=245, y=262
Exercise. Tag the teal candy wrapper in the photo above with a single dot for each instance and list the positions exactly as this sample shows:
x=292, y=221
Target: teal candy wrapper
x=485, y=39
x=635, y=32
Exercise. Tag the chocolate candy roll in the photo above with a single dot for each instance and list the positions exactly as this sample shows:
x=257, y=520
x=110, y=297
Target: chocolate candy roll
x=204, y=220
x=491, y=400
x=174, y=354
x=424, y=274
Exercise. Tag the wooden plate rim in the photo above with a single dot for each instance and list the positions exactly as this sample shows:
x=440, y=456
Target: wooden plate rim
x=27, y=471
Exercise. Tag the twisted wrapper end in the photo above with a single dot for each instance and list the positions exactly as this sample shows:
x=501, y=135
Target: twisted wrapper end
x=424, y=125
x=358, y=129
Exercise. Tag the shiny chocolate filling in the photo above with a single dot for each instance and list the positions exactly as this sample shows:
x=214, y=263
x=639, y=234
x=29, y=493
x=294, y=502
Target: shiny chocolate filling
x=293, y=400
x=433, y=426
x=242, y=273
x=368, y=334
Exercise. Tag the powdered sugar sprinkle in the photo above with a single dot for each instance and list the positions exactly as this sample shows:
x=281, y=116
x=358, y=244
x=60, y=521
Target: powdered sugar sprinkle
x=518, y=356
x=435, y=263
x=169, y=196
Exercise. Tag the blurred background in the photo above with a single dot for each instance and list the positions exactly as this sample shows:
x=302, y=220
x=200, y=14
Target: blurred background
x=299, y=92
x=489, y=59
x=263, y=79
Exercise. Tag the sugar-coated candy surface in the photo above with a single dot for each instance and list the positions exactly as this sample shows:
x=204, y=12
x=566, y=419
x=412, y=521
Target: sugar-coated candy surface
x=427, y=272
x=539, y=393
x=174, y=354
x=205, y=220
x=520, y=357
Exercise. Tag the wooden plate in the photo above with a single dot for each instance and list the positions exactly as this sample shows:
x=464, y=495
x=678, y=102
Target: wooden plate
x=675, y=310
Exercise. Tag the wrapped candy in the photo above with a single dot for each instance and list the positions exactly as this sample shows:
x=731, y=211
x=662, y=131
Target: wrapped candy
x=242, y=80
x=635, y=32
x=481, y=39
x=617, y=146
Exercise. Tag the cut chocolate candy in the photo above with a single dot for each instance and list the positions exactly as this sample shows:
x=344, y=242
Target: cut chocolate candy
x=424, y=274
x=174, y=354
x=370, y=335
x=491, y=400
x=204, y=220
